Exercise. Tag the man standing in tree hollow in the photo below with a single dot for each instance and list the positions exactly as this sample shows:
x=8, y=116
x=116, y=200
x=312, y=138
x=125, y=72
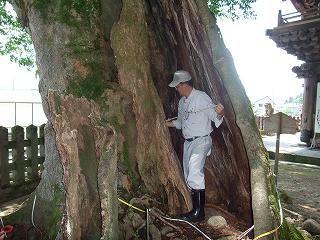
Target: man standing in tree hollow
x=196, y=110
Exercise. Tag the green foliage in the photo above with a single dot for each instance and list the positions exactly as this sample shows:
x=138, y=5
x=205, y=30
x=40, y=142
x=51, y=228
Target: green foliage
x=289, y=232
x=232, y=9
x=297, y=99
x=15, y=41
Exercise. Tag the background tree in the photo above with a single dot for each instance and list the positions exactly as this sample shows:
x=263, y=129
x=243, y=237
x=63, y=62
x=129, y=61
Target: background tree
x=15, y=41
x=104, y=67
x=233, y=9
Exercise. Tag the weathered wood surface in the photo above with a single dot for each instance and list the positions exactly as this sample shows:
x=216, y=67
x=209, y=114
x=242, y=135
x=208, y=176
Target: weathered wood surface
x=20, y=170
x=302, y=5
x=308, y=108
x=308, y=70
x=4, y=158
x=299, y=40
x=288, y=124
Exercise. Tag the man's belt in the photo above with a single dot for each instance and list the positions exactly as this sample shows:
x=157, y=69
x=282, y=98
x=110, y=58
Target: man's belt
x=194, y=138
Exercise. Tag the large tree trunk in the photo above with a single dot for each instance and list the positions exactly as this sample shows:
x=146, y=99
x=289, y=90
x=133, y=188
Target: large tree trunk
x=104, y=69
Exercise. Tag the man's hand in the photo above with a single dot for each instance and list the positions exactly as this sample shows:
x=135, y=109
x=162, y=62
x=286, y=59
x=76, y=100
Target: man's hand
x=219, y=109
x=169, y=122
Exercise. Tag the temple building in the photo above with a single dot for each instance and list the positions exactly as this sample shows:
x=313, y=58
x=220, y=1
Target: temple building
x=298, y=33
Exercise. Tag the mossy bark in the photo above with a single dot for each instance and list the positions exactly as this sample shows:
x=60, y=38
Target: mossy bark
x=87, y=147
x=157, y=161
x=104, y=69
x=92, y=143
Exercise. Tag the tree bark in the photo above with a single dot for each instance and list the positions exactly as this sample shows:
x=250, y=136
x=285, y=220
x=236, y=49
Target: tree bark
x=158, y=165
x=261, y=176
x=104, y=69
x=190, y=49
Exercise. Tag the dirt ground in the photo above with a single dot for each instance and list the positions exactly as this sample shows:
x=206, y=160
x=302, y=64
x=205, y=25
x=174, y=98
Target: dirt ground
x=299, y=188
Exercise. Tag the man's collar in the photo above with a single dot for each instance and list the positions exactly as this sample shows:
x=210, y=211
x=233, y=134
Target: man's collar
x=191, y=93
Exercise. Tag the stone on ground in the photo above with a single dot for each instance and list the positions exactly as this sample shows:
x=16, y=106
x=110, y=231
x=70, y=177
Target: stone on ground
x=154, y=232
x=311, y=226
x=217, y=221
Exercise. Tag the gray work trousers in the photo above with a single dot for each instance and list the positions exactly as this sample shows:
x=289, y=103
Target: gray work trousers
x=194, y=156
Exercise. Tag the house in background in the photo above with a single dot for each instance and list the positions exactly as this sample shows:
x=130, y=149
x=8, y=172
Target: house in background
x=263, y=107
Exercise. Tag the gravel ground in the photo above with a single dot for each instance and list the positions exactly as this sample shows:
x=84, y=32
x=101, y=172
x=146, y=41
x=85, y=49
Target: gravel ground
x=299, y=186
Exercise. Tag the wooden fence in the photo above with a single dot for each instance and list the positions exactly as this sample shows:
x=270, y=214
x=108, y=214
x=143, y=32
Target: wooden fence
x=260, y=122
x=21, y=160
x=261, y=127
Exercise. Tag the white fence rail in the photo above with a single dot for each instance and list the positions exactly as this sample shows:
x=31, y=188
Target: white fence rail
x=21, y=113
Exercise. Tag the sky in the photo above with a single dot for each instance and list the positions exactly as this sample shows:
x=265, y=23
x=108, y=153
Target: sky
x=19, y=85
x=264, y=69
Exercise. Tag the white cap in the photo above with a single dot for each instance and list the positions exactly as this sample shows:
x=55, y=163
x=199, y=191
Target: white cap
x=180, y=77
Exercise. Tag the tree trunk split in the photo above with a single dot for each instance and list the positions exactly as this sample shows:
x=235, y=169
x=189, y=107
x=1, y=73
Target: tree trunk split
x=104, y=70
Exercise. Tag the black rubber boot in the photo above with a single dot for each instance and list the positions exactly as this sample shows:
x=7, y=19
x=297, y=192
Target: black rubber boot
x=197, y=212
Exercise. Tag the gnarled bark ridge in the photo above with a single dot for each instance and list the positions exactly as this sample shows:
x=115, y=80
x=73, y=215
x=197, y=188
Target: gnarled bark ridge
x=104, y=69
